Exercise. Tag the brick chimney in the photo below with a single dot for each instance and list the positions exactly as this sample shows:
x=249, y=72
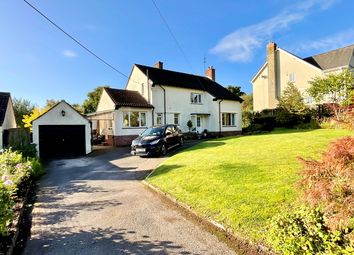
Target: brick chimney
x=210, y=73
x=159, y=65
x=272, y=91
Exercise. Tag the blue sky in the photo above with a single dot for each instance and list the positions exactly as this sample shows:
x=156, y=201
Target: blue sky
x=38, y=62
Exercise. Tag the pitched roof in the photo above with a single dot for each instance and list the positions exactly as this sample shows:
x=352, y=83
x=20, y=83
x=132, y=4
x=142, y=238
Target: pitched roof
x=130, y=98
x=332, y=59
x=4, y=100
x=187, y=81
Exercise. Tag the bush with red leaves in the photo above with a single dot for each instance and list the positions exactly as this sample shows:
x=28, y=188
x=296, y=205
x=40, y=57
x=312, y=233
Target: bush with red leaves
x=329, y=185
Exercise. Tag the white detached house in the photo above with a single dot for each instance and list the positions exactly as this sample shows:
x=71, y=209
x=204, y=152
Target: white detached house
x=155, y=96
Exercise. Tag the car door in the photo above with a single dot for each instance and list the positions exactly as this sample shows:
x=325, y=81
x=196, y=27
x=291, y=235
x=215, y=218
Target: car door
x=169, y=136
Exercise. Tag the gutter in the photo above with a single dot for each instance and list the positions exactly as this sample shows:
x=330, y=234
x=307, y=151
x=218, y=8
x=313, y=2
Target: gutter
x=164, y=103
x=220, y=100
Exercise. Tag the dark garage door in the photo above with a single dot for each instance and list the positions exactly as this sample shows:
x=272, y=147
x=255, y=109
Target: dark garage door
x=61, y=141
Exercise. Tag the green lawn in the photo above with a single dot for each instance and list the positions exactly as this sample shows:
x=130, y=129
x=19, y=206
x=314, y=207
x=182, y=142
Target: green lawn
x=242, y=181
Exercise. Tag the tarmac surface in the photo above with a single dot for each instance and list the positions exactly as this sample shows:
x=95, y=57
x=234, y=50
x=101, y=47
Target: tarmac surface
x=97, y=205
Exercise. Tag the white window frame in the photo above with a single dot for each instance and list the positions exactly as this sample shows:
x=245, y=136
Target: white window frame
x=176, y=117
x=292, y=77
x=159, y=116
x=197, y=96
x=231, y=118
x=139, y=119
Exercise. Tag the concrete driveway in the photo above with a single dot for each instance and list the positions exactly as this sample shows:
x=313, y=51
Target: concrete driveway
x=97, y=205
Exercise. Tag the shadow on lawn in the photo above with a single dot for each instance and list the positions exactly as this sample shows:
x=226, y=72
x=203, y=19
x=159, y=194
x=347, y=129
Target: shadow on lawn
x=164, y=169
x=100, y=241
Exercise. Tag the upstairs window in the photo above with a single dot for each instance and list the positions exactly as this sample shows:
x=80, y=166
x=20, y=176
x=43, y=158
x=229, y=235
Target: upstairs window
x=292, y=77
x=196, y=98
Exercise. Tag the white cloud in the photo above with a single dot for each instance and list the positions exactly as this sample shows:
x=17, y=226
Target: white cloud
x=239, y=46
x=69, y=53
x=338, y=40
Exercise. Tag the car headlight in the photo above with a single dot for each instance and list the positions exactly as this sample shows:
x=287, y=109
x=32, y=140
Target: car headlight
x=155, y=142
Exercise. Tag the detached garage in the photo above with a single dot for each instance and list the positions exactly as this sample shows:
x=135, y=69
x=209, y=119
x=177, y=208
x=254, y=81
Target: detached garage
x=62, y=132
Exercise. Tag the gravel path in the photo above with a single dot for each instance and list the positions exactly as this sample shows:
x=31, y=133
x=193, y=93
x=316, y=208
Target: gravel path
x=97, y=205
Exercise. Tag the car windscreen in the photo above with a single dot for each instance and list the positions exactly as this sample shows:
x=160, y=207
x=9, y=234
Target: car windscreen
x=155, y=131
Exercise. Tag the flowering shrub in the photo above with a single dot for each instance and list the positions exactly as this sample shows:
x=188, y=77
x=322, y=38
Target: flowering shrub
x=15, y=174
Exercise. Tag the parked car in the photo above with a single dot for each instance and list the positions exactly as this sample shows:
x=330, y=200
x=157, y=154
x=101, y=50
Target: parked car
x=157, y=140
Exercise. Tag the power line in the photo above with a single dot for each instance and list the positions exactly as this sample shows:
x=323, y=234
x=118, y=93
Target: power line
x=175, y=39
x=75, y=40
x=171, y=32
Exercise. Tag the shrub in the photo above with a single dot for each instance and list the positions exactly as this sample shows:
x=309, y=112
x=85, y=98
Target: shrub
x=304, y=231
x=247, y=119
x=266, y=123
x=329, y=183
x=286, y=119
x=16, y=173
x=6, y=205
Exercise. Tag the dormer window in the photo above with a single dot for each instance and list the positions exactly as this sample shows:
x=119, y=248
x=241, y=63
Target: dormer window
x=196, y=98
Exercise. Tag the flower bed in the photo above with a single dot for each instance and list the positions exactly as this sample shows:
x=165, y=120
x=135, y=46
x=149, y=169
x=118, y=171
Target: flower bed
x=16, y=175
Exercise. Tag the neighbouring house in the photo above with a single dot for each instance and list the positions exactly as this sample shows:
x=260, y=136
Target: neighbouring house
x=62, y=132
x=283, y=67
x=156, y=96
x=7, y=117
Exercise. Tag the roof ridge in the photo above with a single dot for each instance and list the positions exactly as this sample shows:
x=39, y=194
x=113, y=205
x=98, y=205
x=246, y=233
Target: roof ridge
x=179, y=72
x=341, y=48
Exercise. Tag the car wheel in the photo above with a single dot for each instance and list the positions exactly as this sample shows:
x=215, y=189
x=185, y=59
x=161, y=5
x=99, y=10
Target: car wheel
x=163, y=150
x=181, y=141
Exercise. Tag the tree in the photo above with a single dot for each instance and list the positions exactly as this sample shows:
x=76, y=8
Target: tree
x=50, y=103
x=247, y=104
x=93, y=97
x=78, y=107
x=291, y=100
x=236, y=90
x=28, y=118
x=335, y=88
x=21, y=107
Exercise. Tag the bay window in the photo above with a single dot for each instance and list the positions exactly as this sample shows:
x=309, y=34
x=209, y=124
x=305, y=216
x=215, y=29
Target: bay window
x=134, y=119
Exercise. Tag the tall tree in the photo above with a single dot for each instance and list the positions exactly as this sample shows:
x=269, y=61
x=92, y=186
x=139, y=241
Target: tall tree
x=335, y=88
x=21, y=107
x=247, y=104
x=291, y=100
x=236, y=90
x=93, y=97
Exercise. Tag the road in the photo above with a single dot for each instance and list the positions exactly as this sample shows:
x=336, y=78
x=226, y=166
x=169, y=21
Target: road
x=97, y=205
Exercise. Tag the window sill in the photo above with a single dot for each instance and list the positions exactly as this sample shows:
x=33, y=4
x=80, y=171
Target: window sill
x=197, y=103
x=230, y=126
x=134, y=127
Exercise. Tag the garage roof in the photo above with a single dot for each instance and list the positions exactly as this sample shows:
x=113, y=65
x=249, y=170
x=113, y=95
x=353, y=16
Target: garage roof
x=130, y=98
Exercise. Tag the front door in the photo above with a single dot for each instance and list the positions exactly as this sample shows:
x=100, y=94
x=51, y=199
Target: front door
x=199, y=124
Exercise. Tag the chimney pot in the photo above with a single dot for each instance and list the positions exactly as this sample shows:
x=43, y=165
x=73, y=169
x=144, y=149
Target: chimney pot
x=159, y=65
x=210, y=73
